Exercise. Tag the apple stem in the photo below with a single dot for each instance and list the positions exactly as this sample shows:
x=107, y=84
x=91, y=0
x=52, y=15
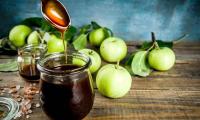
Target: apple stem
x=90, y=52
x=40, y=37
x=156, y=45
x=151, y=47
x=154, y=40
x=117, y=65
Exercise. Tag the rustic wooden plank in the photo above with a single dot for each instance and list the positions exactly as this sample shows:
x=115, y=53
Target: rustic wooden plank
x=181, y=77
x=169, y=95
x=143, y=105
x=157, y=80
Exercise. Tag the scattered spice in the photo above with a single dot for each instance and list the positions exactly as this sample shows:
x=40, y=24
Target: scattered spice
x=1, y=113
x=27, y=116
x=25, y=101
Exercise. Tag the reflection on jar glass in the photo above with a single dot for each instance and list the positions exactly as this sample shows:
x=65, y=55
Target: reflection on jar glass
x=27, y=59
x=8, y=108
x=66, y=86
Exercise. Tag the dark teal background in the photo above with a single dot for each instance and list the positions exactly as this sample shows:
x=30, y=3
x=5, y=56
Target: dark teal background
x=129, y=19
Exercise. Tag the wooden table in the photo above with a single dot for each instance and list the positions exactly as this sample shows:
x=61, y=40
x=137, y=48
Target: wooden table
x=170, y=95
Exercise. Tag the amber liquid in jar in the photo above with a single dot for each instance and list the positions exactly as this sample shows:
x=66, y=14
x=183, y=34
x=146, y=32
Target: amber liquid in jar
x=27, y=60
x=69, y=100
x=30, y=72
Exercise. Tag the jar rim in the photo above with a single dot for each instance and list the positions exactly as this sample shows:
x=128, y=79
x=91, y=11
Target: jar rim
x=30, y=46
x=11, y=105
x=42, y=61
x=33, y=45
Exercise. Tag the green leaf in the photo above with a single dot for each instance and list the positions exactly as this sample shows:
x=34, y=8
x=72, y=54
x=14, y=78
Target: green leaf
x=109, y=31
x=9, y=66
x=6, y=48
x=164, y=43
x=45, y=26
x=80, y=42
x=38, y=22
x=6, y=44
x=95, y=25
x=85, y=29
x=128, y=63
x=33, y=21
x=139, y=64
x=70, y=33
x=146, y=45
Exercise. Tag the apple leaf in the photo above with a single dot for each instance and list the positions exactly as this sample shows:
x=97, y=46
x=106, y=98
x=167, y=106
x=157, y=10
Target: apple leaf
x=38, y=22
x=70, y=33
x=80, y=42
x=95, y=25
x=128, y=63
x=32, y=21
x=109, y=31
x=45, y=26
x=139, y=64
x=146, y=45
x=85, y=29
x=9, y=66
x=6, y=48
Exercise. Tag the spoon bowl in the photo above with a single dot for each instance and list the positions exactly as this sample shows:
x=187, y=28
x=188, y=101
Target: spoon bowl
x=55, y=12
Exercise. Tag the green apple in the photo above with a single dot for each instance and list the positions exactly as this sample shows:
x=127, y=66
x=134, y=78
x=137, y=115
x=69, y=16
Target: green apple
x=33, y=38
x=113, y=49
x=161, y=58
x=95, y=59
x=55, y=45
x=113, y=81
x=18, y=35
x=52, y=36
x=97, y=36
x=78, y=62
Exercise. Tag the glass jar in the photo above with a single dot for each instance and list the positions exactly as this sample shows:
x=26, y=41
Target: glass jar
x=8, y=108
x=66, y=86
x=27, y=59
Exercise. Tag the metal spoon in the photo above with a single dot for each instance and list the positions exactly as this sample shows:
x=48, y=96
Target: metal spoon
x=55, y=12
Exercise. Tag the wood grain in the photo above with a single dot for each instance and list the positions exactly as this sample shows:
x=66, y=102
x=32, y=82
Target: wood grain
x=169, y=95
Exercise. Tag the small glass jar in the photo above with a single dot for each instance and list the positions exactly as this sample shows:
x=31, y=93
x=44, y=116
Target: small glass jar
x=8, y=108
x=66, y=86
x=27, y=60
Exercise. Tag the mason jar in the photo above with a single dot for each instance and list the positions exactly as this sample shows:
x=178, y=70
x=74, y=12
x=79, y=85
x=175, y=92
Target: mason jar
x=66, y=86
x=27, y=60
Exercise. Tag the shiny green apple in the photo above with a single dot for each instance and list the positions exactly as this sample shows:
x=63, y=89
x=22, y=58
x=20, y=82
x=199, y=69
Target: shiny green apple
x=55, y=45
x=97, y=36
x=161, y=58
x=33, y=38
x=95, y=59
x=18, y=35
x=113, y=49
x=113, y=81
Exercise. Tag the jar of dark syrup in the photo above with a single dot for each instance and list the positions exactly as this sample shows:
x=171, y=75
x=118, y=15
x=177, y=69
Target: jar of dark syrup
x=66, y=86
x=27, y=60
